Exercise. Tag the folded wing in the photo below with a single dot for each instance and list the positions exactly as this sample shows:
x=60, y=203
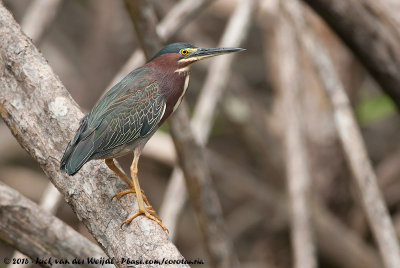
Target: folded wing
x=131, y=115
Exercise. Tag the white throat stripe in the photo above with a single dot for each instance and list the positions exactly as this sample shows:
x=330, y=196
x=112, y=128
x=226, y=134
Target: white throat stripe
x=184, y=69
x=186, y=85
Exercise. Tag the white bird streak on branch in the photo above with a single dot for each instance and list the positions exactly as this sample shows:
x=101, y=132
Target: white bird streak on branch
x=298, y=174
x=351, y=140
x=214, y=86
x=42, y=116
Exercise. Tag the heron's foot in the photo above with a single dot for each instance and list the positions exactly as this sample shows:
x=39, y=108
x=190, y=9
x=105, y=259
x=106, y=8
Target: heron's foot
x=132, y=191
x=149, y=213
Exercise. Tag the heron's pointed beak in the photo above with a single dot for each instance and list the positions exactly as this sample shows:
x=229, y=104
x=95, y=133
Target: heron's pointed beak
x=204, y=53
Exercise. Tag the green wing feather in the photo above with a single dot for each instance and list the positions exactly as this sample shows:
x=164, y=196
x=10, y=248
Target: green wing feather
x=131, y=110
x=131, y=116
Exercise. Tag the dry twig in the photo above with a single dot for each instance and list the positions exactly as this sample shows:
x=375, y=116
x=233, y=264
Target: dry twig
x=298, y=174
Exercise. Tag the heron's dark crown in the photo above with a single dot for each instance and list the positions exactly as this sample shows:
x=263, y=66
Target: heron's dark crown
x=172, y=48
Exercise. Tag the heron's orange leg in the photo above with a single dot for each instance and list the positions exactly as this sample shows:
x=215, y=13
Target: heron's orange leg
x=141, y=198
x=111, y=165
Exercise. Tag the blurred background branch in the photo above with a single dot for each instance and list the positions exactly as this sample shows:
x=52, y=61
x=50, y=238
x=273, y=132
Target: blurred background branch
x=372, y=31
x=296, y=156
x=38, y=18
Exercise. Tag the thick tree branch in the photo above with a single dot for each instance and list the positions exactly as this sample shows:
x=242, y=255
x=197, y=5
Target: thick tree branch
x=350, y=138
x=370, y=29
x=38, y=234
x=38, y=17
x=49, y=202
x=42, y=116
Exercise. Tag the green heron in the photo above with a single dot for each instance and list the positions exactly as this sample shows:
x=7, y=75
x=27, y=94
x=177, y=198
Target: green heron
x=125, y=118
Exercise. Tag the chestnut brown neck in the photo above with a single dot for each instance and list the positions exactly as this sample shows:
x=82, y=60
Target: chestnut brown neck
x=172, y=79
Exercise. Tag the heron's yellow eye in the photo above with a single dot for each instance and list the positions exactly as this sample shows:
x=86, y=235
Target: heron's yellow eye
x=183, y=52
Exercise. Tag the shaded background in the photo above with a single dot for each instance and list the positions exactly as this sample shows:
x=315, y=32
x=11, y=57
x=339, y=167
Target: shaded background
x=90, y=40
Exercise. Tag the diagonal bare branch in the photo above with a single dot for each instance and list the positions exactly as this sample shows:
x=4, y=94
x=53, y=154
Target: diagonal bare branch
x=38, y=234
x=201, y=192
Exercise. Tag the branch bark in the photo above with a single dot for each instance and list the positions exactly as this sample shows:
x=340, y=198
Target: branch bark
x=42, y=116
x=372, y=32
x=49, y=202
x=39, y=16
x=38, y=234
x=351, y=139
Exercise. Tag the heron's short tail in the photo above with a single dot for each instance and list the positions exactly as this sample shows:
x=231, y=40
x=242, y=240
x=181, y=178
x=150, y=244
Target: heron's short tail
x=79, y=149
x=76, y=155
